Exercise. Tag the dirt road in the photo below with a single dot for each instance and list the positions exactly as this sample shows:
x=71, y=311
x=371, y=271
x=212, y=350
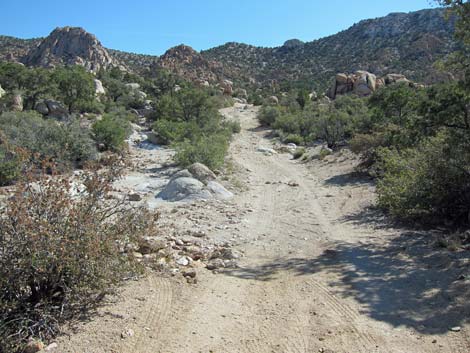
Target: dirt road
x=319, y=274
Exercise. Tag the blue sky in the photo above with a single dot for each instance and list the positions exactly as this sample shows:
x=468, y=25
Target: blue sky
x=151, y=27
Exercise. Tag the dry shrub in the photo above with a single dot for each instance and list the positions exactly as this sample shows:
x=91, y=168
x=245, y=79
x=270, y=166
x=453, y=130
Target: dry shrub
x=61, y=250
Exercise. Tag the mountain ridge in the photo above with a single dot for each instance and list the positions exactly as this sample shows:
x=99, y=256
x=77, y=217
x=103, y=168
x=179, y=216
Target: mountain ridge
x=407, y=43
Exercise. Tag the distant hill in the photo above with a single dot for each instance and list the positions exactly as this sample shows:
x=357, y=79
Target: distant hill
x=406, y=43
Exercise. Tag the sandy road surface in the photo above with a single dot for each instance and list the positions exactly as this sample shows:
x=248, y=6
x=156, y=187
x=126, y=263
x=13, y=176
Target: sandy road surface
x=316, y=276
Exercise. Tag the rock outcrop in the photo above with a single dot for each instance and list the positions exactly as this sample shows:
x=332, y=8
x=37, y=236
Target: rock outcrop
x=195, y=183
x=99, y=89
x=16, y=103
x=187, y=62
x=70, y=46
x=52, y=109
x=362, y=83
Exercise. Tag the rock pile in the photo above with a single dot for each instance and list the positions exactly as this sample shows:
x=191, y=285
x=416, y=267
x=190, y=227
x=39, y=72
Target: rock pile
x=52, y=109
x=362, y=83
x=195, y=183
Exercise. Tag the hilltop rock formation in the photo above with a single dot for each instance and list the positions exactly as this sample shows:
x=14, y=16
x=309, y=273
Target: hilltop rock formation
x=188, y=63
x=293, y=43
x=69, y=46
x=362, y=83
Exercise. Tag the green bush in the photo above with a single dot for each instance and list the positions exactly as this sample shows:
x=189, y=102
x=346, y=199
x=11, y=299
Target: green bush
x=293, y=138
x=298, y=153
x=208, y=150
x=111, y=131
x=288, y=123
x=268, y=115
x=428, y=182
x=60, y=253
x=233, y=126
x=169, y=131
x=67, y=144
x=10, y=166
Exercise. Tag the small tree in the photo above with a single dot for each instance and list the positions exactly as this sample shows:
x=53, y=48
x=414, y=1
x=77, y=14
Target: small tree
x=112, y=130
x=75, y=86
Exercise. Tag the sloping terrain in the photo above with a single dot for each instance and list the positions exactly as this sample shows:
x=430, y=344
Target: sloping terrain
x=320, y=273
x=398, y=43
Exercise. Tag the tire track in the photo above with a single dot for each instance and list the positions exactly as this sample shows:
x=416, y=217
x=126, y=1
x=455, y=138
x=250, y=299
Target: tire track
x=157, y=313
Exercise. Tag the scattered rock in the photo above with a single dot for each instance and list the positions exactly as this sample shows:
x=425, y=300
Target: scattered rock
x=273, y=100
x=183, y=261
x=51, y=347
x=149, y=245
x=33, y=346
x=215, y=264
x=190, y=273
x=127, y=333
x=134, y=197
x=191, y=280
x=201, y=172
x=137, y=255
x=266, y=150
x=225, y=253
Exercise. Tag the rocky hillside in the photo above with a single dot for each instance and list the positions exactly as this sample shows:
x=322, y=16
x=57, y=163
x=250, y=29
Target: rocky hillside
x=139, y=63
x=408, y=44
x=400, y=42
x=14, y=49
x=187, y=62
x=71, y=45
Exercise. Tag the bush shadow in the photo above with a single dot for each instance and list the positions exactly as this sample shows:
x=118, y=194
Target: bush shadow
x=407, y=282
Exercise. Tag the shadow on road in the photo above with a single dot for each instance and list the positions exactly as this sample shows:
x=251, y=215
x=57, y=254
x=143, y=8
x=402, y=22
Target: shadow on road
x=352, y=178
x=407, y=282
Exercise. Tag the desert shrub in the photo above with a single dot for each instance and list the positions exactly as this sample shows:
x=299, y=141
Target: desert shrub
x=10, y=165
x=293, y=138
x=268, y=115
x=112, y=130
x=221, y=101
x=233, y=126
x=67, y=144
x=209, y=150
x=93, y=106
x=298, y=153
x=169, y=131
x=430, y=181
x=367, y=146
x=332, y=127
x=288, y=123
x=61, y=244
x=255, y=99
